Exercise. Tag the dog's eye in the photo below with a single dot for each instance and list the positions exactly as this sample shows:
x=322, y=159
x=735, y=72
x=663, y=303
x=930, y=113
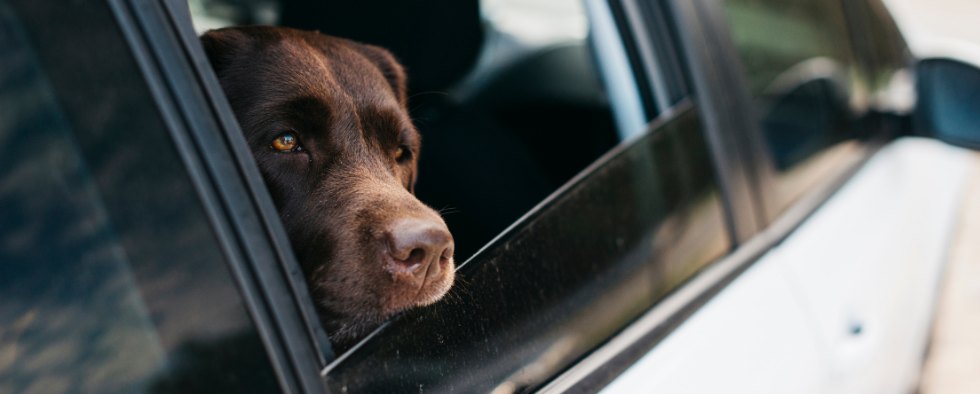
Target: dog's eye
x=403, y=153
x=285, y=143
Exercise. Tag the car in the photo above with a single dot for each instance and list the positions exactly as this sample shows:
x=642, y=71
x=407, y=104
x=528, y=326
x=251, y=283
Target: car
x=646, y=195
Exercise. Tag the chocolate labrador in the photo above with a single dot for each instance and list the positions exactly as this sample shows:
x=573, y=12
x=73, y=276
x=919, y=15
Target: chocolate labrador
x=327, y=123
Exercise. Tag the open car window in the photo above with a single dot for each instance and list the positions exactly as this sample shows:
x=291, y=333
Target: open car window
x=505, y=94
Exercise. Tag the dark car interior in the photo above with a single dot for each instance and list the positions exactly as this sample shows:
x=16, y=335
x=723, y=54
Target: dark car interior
x=498, y=136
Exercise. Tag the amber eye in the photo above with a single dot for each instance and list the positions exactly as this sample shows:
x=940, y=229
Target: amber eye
x=399, y=152
x=285, y=143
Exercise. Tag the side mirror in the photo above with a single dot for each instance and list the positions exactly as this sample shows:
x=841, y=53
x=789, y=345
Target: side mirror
x=948, y=105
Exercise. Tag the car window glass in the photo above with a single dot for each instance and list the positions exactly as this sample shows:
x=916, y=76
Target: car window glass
x=892, y=83
x=111, y=279
x=566, y=279
x=889, y=49
x=806, y=87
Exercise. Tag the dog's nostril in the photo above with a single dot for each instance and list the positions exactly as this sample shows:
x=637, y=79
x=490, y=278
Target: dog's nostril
x=416, y=256
x=447, y=253
x=419, y=246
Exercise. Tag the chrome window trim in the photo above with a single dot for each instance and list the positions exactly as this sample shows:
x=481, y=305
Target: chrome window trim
x=614, y=67
x=644, y=47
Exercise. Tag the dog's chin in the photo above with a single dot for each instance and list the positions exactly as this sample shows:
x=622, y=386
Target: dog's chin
x=346, y=331
x=404, y=295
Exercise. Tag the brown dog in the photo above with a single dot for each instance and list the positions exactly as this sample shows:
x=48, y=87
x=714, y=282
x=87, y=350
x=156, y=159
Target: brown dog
x=327, y=122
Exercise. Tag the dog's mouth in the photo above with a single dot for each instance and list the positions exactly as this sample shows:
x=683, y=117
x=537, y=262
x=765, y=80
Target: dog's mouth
x=416, y=282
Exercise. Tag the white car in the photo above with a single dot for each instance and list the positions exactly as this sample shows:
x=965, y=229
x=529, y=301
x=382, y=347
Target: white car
x=670, y=196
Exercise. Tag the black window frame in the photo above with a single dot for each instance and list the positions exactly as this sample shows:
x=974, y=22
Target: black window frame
x=228, y=183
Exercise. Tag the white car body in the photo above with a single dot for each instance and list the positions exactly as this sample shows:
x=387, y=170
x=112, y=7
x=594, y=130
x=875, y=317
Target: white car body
x=843, y=305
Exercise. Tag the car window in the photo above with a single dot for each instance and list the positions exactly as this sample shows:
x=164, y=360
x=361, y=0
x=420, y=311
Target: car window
x=504, y=93
x=112, y=279
x=807, y=89
x=578, y=255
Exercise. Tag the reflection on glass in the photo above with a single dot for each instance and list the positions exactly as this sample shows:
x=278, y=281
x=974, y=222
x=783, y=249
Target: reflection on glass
x=807, y=89
x=111, y=280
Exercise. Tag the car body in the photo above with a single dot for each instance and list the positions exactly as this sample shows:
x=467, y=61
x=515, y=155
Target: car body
x=664, y=196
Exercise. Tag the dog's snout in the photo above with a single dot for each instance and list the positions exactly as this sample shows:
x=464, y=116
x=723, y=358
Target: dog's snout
x=419, y=247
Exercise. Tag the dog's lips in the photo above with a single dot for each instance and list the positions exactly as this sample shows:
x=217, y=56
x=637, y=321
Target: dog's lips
x=417, y=288
x=433, y=289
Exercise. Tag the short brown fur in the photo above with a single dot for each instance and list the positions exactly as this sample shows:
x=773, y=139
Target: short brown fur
x=345, y=193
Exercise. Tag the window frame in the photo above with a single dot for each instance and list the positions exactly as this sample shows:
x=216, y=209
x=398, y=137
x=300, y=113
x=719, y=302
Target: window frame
x=228, y=183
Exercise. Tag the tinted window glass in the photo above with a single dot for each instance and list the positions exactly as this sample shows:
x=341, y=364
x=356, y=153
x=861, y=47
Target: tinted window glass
x=800, y=67
x=887, y=45
x=111, y=280
x=885, y=56
x=569, y=276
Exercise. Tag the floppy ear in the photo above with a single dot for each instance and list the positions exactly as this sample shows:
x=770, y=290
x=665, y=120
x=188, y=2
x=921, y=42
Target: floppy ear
x=221, y=46
x=392, y=71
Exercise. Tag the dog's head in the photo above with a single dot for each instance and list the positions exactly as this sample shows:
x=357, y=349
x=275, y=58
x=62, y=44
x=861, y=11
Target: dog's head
x=327, y=123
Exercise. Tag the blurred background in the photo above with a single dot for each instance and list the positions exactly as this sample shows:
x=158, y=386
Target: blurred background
x=953, y=361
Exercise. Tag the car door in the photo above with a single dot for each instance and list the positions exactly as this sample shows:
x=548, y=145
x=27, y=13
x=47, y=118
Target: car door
x=135, y=255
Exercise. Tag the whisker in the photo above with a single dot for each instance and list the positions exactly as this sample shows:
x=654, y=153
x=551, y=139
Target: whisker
x=447, y=210
x=429, y=92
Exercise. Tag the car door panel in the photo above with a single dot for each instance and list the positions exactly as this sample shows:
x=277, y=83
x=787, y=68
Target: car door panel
x=867, y=264
x=753, y=337
x=811, y=318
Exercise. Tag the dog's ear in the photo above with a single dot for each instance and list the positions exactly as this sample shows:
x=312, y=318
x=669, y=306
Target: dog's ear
x=221, y=46
x=389, y=66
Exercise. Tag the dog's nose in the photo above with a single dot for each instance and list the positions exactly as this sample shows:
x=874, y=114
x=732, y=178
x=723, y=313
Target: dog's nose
x=419, y=247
